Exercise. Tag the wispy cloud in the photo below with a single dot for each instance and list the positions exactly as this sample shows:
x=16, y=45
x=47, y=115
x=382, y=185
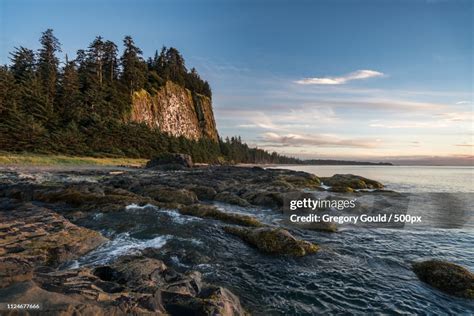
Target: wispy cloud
x=315, y=140
x=409, y=125
x=356, y=75
x=463, y=102
x=457, y=116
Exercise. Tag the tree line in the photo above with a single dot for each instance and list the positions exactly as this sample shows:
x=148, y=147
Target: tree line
x=78, y=106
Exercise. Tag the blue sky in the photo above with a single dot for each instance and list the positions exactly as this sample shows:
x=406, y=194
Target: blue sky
x=379, y=80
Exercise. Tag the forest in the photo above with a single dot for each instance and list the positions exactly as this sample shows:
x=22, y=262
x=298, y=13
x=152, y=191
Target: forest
x=76, y=106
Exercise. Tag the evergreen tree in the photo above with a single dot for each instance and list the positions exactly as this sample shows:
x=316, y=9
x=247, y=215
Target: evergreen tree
x=48, y=65
x=110, y=61
x=69, y=93
x=23, y=64
x=134, y=68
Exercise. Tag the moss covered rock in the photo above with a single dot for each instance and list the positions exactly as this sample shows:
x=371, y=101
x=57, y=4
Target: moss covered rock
x=351, y=181
x=447, y=277
x=203, y=192
x=172, y=195
x=301, y=180
x=342, y=189
x=231, y=198
x=274, y=241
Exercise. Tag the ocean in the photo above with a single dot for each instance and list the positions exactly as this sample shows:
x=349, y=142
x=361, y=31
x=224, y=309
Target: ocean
x=358, y=271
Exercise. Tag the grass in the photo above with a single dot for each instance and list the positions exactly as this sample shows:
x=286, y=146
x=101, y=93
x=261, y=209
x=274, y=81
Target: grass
x=52, y=160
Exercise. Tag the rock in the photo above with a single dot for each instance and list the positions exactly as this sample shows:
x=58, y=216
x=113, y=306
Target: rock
x=33, y=236
x=341, y=189
x=183, y=160
x=91, y=290
x=282, y=184
x=274, y=240
x=89, y=196
x=208, y=211
x=321, y=226
x=231, y=198
x=133, y=285
x=171, y=195
x=301, y=179
x=351, y=181
x=204, y=193
x=264, y=198
x=211, y=301
x=145, y=275
x=447, y=277
x=55, y=303
x=14, y=269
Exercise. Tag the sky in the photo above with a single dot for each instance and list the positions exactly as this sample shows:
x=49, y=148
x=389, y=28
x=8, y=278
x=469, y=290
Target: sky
x=372, y=80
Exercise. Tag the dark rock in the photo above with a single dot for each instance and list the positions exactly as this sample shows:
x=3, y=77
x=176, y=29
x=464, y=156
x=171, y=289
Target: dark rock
x=90, y=196
x=231, y=198
x=211, y=301
x=133, y=285
x=204, y=193
x=447, y=277
x=341, y=189
x=264, y=198
x=170, y=159
x=171, y=195
x=351, y=181
x=274, y=240
x=301, y=179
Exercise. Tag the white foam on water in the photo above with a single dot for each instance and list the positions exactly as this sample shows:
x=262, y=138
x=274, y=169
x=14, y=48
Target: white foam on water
x=179, y=218
x=121, y=245
x=134, y=206
x=325, y=187
x=174, y=215
x=97, y=216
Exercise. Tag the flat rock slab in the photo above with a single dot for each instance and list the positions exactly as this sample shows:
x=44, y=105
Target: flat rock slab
x=31, y=236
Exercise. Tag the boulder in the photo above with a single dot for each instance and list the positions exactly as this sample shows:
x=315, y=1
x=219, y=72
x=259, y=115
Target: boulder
x=172, y=195
x=211, y=301
x=301, y=179
x=231, y=198
x=447, y=277
x=351, y=181
x=341, y=189
x=274, y=240
x=170, y=159
x=264, y=198
x=204, y=193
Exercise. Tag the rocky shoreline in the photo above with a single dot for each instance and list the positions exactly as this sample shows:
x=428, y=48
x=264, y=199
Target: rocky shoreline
x=46, y=223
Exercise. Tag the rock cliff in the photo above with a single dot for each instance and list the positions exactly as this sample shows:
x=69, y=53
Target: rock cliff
x=175, y=110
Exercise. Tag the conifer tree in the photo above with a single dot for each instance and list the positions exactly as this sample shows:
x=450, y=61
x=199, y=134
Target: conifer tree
x=48, y=65
x=134, y=68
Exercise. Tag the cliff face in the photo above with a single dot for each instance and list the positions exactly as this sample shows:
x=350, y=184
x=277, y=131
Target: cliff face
x=176, y=111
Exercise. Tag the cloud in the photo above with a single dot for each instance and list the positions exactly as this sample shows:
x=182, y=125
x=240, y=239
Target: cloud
x=463, y=102
x=457, y=116
x=409, y=125
x=356, y=75
x=315, y=140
